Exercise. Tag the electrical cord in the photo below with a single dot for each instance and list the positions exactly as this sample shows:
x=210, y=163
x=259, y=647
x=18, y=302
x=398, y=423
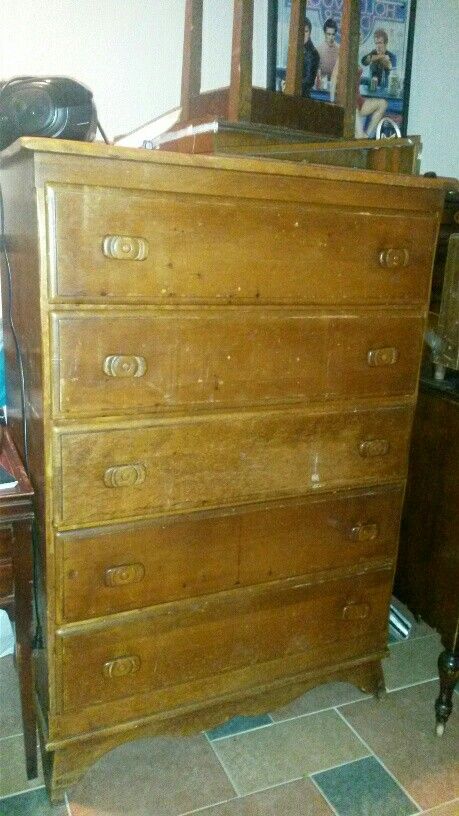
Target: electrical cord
x=37, y=641
x=102, y=133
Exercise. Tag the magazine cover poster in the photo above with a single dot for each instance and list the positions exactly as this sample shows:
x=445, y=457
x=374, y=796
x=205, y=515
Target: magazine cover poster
x=382, y=70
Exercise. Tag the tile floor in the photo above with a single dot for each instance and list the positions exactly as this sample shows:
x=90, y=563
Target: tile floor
x=333, y=751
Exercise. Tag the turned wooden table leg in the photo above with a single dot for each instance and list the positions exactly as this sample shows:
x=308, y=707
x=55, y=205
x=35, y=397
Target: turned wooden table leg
x=22, y=565
x=448, y=669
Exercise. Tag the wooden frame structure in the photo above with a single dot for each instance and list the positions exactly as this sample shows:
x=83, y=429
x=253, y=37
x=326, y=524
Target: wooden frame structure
x=241, y=101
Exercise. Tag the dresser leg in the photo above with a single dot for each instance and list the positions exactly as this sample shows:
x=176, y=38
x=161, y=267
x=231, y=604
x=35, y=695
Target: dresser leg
x=448, y=669
x=368, y=677
x=62, y=769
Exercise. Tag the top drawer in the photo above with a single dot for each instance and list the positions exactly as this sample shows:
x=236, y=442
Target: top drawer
x=117, y=245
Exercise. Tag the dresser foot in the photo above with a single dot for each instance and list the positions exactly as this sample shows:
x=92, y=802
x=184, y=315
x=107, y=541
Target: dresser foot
x=64, y=768
x=448, y=669
x=368, y=677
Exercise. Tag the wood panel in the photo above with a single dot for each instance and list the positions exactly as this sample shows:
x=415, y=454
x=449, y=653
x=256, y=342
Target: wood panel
x=163, y=360
x=166, y=466
x=199, y=249
x=195, y=640
x=6, y=541
x=104, y=571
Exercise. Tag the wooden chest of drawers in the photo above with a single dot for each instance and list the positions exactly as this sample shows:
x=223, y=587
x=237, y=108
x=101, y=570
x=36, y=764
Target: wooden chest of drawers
x=221, y=361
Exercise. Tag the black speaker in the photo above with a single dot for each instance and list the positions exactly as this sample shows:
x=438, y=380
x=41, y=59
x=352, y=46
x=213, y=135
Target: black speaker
x=57, y=107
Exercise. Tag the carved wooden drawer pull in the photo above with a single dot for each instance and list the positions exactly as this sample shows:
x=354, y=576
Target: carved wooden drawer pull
x=124, y=365
x=382, y=356
x=124, y=475
x=364, y=532
x=125, y=574
x=356, y=611
x=125, y=248
x=391, y=258
x=121, y=666
x=374, y=447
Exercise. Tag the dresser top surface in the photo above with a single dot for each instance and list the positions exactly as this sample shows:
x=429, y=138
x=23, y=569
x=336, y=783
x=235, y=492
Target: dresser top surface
x=99, y=150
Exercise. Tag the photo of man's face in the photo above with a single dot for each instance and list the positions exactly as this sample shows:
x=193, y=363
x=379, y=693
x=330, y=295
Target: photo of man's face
x=330, y=35
x=307, y=34
x=380, y=45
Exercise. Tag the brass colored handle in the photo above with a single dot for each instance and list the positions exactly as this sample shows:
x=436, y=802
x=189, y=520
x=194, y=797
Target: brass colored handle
x=124, y=475
x=121, y=667
x=124, y=365
x=382, y=356
x=364, y=532
x=374, y=447
x=356, y=611
x=125, y=574
x=125, y=248
x=392, y=258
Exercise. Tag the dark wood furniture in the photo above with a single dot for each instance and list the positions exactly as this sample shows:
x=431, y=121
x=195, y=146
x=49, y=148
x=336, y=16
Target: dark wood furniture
x=427, y=577
x=16, y=568
x=241, y=101
x=222, y=358
x=224, y=138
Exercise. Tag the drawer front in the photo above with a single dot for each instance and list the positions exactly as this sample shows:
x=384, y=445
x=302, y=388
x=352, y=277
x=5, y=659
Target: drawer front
x=192, y=641
x=6, y=579
x=6, y=542
x=207, y=358
x=192, y=463
x=147, y=564
x=119, y=245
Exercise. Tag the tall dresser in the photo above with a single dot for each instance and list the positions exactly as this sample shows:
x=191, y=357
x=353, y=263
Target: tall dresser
x=220, y=360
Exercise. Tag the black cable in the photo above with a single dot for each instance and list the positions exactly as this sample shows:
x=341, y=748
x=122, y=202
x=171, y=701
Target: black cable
x=102, y=133
x=37, y=641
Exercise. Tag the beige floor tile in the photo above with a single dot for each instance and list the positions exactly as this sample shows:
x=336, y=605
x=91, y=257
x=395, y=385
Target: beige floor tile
x=10, y=706
x=286, y=751
x=317, y=699
x=13, y=777
x=162, y=776
x=452, y=809
x=412, y=661
x=299, y=798
x=401, y=731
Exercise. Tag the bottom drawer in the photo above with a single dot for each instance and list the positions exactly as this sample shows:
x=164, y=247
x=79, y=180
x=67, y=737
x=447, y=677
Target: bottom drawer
x=138, y=565
x=198, y=640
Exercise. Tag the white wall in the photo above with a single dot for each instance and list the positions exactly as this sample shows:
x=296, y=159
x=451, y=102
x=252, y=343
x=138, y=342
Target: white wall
x=129, y=52
x=434, y=100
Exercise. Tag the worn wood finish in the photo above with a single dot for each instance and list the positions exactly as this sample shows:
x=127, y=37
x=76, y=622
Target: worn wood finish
x=401, y=156
x=202, y=249
x=187, y=360
x=178, y=465
x=240, y=90
x=261, y=514
x=192, y=55
x=189, y=556
x=193, y=640
x=273, y=109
